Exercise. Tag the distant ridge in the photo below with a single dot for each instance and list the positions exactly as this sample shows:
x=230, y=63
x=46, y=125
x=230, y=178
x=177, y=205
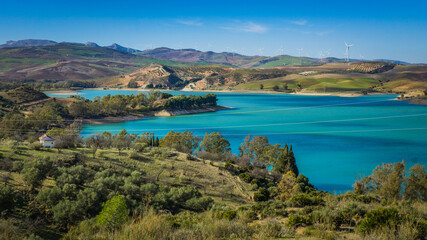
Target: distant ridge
x=116, y=46
x=196, y=56
x=190, y=55
x=392, y=61
x=27, y=43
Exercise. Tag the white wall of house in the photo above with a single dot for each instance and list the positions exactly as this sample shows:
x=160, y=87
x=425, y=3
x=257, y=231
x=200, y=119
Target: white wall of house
x=47, y=143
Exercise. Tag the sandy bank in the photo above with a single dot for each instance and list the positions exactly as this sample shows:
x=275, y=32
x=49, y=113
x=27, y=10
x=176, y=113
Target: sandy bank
x=168, y=113
x=340, y=94
x=417, y=97
x=416, y=101
x=162, y=113
x=63, y=92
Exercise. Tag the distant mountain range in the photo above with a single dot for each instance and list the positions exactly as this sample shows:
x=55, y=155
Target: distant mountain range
x=40, y=42
x=201, y=57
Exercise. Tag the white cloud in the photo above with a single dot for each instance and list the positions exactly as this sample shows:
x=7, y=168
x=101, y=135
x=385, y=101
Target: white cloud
x=247, y=27
x=299, y=22
x=189, y=22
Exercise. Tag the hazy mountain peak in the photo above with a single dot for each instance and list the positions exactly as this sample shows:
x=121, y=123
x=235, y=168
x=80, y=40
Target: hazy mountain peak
x=124, y=49
x=91, y=44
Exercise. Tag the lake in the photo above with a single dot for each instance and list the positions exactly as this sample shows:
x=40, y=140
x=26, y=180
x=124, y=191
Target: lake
x=336, y=140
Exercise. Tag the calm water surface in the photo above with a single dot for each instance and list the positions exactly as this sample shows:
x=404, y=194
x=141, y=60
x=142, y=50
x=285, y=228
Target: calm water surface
x=335, y=139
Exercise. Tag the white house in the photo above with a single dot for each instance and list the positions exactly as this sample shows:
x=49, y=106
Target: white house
x=46, y=141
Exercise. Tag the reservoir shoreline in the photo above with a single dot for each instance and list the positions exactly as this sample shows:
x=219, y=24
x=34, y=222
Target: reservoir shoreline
x=415, y=101
x=161, y=113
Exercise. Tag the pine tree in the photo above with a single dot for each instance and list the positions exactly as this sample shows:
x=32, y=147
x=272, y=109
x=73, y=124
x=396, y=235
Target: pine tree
x=292, y=164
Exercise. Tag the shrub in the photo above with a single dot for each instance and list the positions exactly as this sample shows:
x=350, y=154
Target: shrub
x=67, y=212
x=245, y=177
x=49, y=196
x=270, y=209
x=199, y=204
x=224, y=229
x=271, y=228
x=254, y=187
x=421, y=227
x=228, y=165
x=17, y=166
x=13, y=145
x=35, y=146
x=36, y=171
x=140, y=147
x=319, y=233
x=229, y=215
x=329, y=218
x=248, y=216
x=382, y=217
x=9, y=229
x=114, y=212
x=134, y=155
x=302, y=200
x=296, y=220
x=6, y=164
x=350, y=212
x=181, y=194
x=261, y=195
x=7, y=198
x=255, y=181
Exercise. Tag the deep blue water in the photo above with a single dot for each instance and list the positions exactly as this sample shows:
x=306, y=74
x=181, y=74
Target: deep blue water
x=335, y=139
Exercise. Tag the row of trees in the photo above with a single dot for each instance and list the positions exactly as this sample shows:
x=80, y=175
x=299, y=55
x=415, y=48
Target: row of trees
x=58, y=115
x=122, y=104
x=284, y=87
x=392, y=181
x=256, y=150
x=260, y=151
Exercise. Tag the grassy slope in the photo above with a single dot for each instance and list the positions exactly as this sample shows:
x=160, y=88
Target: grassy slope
x=333, y=83
x=171, y=168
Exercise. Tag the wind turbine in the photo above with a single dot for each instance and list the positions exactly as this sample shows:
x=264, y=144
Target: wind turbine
x=299, y=54
x=348, y=50
x=261, y=51
x=281, y=50
x=233, y=51
x=299, y=51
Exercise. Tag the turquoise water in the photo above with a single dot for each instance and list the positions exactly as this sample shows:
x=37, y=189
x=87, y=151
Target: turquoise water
x=335, y=139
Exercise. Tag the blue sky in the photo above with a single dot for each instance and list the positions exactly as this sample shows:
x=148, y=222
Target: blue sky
x=378, y=29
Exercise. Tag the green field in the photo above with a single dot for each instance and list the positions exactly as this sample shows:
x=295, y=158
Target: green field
x=313, y=84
